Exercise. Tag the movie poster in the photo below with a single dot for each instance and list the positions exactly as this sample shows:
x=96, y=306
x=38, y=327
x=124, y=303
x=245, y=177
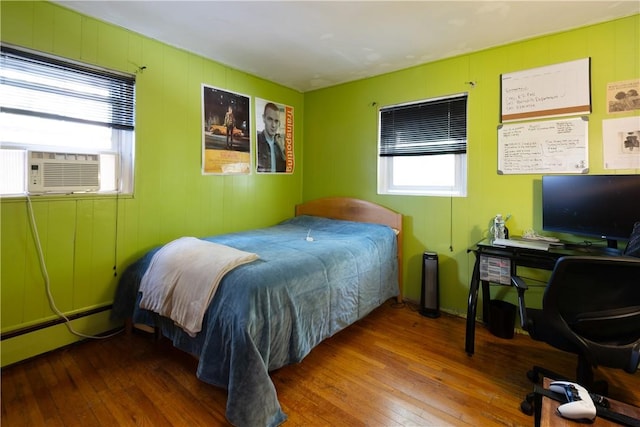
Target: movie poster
x=226, y=132
x=274, y=141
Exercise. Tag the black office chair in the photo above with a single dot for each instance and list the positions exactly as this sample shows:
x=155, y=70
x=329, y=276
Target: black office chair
x=591, y=307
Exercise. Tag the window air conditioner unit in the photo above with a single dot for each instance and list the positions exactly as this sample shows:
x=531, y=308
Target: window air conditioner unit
x=62, y=172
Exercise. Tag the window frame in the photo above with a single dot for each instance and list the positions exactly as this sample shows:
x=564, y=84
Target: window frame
x=116, y=115
x=456, y=152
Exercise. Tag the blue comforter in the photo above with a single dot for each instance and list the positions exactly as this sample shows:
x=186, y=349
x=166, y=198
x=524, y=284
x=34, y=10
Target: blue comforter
x=273, y=311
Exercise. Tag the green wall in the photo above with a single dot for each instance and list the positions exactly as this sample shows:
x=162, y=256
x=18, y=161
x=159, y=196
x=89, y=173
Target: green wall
x=341, y=145
x=83, y=238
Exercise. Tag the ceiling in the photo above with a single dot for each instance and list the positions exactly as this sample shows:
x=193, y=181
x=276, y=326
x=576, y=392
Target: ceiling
x=307, y=45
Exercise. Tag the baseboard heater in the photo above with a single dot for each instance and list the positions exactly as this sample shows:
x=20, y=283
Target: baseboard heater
x=54, y=322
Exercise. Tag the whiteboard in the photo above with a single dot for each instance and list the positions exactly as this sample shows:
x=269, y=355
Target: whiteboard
x=552, y=146
x=554, y=90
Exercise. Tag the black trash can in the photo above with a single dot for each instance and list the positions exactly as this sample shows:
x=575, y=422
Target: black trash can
x=502, y=318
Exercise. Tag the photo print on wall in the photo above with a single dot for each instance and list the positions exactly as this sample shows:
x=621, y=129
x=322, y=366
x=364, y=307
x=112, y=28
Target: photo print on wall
x=623, y=96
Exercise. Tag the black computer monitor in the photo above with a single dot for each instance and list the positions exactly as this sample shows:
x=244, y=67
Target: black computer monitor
x=602, y=206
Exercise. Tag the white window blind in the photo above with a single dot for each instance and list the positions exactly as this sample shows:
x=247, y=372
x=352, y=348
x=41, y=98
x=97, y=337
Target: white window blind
x=36, y=85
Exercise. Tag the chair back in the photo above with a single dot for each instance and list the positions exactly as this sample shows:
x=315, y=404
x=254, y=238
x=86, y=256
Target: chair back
x=633, y=246
x=595, y=302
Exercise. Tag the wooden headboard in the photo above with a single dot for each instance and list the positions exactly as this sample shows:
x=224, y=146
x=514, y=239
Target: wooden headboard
x=350, y=209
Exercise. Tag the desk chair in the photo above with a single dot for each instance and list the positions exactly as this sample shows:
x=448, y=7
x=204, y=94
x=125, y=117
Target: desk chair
x=591, y=307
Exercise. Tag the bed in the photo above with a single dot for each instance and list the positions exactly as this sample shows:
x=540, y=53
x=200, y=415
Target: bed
x=312, y=275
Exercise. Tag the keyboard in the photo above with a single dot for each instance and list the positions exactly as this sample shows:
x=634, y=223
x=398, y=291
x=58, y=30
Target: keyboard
x=527, y=244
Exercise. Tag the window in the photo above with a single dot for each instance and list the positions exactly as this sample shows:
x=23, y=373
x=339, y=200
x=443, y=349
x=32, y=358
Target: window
x=423, y=148
x=54, y=105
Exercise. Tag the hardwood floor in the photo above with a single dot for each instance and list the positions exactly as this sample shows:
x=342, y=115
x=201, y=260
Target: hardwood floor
x=394, y=367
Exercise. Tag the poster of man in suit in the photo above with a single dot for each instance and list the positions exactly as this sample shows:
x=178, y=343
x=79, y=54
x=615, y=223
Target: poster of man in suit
x=274, y=137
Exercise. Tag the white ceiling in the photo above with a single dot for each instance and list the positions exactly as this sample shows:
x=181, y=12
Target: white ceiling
x=307, y=45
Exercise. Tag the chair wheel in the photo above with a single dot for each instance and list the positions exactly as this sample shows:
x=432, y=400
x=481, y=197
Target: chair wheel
x=533, y=376
x=526, y=407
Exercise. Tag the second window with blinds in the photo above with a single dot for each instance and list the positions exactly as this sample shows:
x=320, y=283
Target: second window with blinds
x=422, y=148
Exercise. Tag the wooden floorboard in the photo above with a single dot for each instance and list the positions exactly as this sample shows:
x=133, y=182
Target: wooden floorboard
x=392, y=368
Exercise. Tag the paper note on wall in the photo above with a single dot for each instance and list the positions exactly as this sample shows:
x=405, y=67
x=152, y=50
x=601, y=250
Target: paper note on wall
x=554, y=90
x=621, y=143
x=553, y=146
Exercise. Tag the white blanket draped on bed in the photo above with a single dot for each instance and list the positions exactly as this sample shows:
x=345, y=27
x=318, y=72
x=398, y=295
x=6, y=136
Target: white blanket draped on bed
x=183, y=277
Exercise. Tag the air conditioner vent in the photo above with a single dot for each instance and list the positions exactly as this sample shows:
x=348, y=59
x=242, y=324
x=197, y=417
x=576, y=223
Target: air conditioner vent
x=62, y=172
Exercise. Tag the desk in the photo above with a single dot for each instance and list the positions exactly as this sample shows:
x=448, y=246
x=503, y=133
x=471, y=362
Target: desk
x=516, y=257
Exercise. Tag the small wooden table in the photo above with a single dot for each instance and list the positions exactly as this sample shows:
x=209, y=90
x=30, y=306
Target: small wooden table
x=550, y=417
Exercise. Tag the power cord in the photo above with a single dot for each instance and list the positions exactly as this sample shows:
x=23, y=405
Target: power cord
x=47, y=282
